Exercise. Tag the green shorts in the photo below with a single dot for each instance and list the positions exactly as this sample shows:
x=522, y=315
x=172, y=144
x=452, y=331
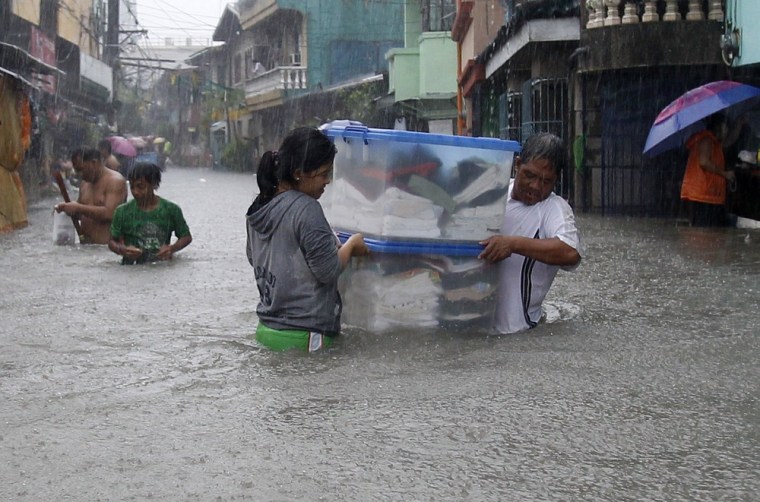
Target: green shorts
x=286, y=339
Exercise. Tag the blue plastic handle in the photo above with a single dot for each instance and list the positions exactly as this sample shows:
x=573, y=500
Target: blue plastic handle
x=417, y=247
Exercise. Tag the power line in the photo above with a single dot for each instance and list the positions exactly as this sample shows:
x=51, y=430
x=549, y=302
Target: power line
x=184, y=28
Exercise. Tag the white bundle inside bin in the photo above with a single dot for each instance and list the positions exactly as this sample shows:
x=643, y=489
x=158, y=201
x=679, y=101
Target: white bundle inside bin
x=402, y=184
x=418, y=284
x=379, y=302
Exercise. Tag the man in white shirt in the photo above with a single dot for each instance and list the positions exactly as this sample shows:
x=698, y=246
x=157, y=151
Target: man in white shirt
x=538, y=235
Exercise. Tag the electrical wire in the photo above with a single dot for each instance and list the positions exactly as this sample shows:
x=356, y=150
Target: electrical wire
x=176, y=20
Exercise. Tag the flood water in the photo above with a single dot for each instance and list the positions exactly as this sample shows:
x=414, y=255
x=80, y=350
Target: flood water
x=143, y=382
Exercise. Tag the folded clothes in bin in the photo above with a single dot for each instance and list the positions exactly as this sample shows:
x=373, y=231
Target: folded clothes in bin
x=381, y=302
x=464, y=181
x=407, y=215
x=420, y=283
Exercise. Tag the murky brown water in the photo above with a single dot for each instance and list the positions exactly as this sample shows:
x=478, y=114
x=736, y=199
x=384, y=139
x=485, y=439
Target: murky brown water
x=133, y=383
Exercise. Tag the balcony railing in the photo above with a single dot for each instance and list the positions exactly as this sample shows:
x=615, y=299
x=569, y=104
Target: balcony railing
x=279, y=78
x=608, y=12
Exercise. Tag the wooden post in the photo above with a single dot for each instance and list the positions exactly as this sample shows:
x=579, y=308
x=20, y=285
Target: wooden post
x=65, y=193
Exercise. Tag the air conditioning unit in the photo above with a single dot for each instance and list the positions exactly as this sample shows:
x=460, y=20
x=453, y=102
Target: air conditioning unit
x=729, y=46
x=295, y=59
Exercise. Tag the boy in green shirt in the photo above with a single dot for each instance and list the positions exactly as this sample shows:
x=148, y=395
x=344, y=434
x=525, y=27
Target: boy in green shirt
x=141, y=229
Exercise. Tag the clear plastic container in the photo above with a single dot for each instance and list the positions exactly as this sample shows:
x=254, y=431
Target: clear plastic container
x=419, y=284
x=402, y=184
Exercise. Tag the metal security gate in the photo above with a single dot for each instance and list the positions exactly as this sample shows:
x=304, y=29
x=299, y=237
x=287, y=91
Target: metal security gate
x=544, y=106
x=541, y=106
x=510, y=116
x=544, y=109
x=630, y=183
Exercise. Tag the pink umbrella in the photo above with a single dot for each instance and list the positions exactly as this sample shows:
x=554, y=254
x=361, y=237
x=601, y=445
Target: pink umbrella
x=137, y=142
x=122, y=146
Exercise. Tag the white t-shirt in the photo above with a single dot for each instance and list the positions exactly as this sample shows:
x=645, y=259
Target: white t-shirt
x=524, y=282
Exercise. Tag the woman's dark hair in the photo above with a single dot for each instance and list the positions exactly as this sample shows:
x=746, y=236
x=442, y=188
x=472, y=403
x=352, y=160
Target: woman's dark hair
x=147, y=171
x=547, y=146
x=304, y=148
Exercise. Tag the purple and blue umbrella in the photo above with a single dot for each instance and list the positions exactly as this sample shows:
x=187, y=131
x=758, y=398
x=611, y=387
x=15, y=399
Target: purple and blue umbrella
x=683, y=117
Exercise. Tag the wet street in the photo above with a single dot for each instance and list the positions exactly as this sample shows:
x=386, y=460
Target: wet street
x=134, y=383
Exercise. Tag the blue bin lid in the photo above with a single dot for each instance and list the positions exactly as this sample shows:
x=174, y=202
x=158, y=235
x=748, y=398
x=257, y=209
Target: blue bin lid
x=367, y=134
x=417, y=247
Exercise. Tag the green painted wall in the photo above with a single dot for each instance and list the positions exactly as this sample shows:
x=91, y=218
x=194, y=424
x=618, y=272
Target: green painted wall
x=438, y=64
x=412, y=23
x=745, y=14
x=404, y=74
x=427, y=65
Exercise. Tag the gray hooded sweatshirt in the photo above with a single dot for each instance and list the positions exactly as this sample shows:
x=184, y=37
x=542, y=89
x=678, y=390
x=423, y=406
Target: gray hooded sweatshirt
x=294, y=254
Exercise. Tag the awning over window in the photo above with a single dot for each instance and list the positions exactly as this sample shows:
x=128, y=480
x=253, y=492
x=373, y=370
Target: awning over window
x=96, y=72
x=15, y=58
x=15, y=75
x=19, y=64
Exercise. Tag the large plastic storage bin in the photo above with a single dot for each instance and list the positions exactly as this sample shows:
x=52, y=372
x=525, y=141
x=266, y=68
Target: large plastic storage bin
x=402, y=184
x=415, y=284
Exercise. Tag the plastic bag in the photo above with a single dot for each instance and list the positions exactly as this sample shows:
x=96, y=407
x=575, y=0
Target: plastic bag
x=64, y=233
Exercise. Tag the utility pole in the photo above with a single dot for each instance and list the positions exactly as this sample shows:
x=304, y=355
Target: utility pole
x=111, y=51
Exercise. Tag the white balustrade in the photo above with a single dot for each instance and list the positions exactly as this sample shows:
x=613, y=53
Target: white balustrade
x=595, y=14
x=607, y=12
x=279, y=78
x=613, y=14
x=292, y=77
x=650, y=12
x=716, y=11
x=671, y=11
x=695, y=11
x=630, y=16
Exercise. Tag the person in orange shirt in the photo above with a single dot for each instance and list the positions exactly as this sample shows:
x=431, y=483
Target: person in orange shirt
x=704, y=182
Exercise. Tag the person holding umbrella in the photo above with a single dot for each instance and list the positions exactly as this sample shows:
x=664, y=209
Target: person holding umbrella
x=704, y=183
x=125, y=153
x=682, y=123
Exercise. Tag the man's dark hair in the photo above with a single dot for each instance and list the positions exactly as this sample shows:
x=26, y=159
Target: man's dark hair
x=544, y=145
x=91, y=154
x=76, y=154
x=104, y=144
x=147, y=171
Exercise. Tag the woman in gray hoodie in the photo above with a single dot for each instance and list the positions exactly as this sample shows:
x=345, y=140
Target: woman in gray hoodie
x=295, y=254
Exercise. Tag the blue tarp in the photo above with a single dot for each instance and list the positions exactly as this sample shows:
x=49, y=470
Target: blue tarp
x=151, y=157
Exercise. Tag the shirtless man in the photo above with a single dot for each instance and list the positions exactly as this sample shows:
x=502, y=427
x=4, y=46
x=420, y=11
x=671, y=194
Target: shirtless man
x=109, y=159
x=100, y=192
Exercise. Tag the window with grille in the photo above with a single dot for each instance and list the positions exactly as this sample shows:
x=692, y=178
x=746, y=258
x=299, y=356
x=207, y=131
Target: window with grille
x=248, y=63
x=510, y=116
x=236, y=69
x=438, y=15
x=544, y=106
